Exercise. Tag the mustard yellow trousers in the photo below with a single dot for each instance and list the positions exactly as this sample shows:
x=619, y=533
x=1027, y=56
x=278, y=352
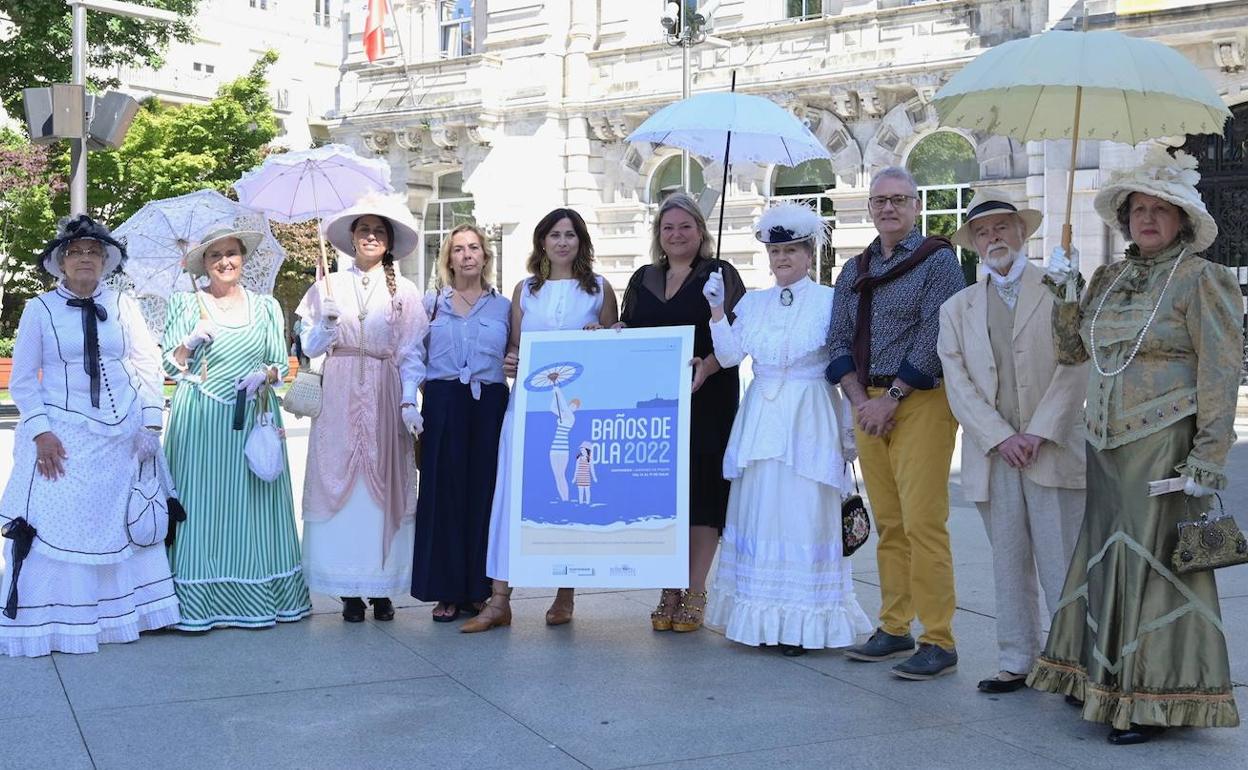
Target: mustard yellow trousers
x=907, y=478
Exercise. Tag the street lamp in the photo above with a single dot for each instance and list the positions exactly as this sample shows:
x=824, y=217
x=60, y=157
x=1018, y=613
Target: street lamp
x=685, y=27
x=78, y=146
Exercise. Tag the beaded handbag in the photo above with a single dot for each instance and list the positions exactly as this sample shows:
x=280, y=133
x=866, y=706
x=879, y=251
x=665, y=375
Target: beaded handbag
x=855, y=523
x=303, y=397
x=1209, y=542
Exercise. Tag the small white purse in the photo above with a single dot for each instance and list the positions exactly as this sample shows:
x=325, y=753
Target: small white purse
x=147, y=512
x=265, y=455
x=303, y=397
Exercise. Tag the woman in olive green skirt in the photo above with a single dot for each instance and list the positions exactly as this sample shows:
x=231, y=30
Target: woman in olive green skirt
x=1134, y=644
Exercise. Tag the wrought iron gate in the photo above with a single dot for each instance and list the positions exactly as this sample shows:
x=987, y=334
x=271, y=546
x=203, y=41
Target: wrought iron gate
x=1224, y=186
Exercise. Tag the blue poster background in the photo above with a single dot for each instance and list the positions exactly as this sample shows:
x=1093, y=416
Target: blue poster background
x=629, y=425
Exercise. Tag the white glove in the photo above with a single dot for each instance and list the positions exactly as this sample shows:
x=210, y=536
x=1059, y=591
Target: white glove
x=1061, y=264
x=146, y=444
x=713, y=290
x=412, y=419
x=252, y=382
x=329, y=313
x=204, y=331
x=1190, y=487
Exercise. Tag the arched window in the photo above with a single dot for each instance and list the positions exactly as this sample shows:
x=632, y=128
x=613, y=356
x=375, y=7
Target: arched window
x=809, y=183
x=944, y=165
x=450, y=206
x=666, y=179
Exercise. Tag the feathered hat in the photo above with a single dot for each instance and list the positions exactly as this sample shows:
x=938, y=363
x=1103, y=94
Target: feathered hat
x=70, y=229
x=790, y=223
x=1173, y=179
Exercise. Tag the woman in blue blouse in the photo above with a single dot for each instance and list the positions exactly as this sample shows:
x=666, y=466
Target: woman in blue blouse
x=464, y=402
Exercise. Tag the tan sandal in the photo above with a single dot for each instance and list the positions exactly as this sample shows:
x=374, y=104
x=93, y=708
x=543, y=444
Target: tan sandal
x=669, y=601
x=688, y=615
x=560, y=611
x=492, y=615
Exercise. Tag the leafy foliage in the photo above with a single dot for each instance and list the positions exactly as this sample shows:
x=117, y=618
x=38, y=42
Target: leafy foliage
x=37, y=50
x=28, y=185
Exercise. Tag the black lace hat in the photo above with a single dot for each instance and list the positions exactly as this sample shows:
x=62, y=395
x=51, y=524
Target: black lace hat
x=76, y=228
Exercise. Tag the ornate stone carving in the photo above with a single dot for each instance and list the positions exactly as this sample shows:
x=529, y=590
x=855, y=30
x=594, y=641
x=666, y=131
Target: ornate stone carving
x=409, y=139
x=1229, y=54
x=377, y=142
x=444, y=135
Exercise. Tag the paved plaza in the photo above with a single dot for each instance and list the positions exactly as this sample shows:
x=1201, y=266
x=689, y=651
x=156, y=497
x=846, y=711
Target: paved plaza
x=602, y=692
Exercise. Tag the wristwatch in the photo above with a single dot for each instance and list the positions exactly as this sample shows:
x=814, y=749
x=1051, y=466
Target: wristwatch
x=896, y=393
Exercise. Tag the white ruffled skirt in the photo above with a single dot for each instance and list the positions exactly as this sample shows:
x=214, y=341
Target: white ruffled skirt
x=781, y=577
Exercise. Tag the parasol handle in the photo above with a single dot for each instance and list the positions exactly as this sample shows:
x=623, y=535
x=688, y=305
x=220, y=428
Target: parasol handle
x=322, y=267
x=723, y=198
x=1067, y=233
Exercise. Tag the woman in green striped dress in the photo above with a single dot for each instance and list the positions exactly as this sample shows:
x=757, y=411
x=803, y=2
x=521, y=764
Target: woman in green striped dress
x=236, y=559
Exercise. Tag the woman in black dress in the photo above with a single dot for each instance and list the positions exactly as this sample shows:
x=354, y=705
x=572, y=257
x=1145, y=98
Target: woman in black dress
x=668, y=292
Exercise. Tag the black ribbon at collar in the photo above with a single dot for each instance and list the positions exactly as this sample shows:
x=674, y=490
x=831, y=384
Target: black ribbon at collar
x=23, y=536
x=91, y=315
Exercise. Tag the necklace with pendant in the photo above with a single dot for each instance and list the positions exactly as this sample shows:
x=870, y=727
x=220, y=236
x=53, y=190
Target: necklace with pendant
x=364, y=299
x=786, y=296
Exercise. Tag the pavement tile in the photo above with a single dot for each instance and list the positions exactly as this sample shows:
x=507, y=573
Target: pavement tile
x=29, y=687
x=430, y=722
x=1066, y=738
x=945, y=747
x=318, y=652
x=48, y=740
x=612, y=692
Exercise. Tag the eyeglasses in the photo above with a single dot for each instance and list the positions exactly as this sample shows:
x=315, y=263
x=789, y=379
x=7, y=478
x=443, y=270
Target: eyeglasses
x=877, y=202
x=80, y=253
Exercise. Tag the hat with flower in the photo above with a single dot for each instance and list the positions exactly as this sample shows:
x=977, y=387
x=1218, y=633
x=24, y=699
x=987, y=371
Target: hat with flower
x=790, y=223
x=1171, y=178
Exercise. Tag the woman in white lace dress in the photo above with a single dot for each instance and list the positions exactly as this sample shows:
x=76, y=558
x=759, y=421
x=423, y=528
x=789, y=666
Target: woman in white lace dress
x=781, y=578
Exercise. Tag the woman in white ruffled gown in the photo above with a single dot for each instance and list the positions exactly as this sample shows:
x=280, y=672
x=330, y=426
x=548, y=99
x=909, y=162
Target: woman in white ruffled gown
x=781, y=578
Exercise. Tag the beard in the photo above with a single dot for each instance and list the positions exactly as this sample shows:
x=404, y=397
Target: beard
x=1001, y=259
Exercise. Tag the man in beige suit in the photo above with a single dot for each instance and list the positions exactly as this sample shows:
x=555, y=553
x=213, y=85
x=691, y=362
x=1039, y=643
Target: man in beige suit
x=1022, y=454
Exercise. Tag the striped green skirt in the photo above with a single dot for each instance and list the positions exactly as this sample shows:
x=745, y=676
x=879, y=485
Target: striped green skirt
x=236, y=559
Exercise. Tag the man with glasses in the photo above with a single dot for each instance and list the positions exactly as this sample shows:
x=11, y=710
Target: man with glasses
x=885, y=323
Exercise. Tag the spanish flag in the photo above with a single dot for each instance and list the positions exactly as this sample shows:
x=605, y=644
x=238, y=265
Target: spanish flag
x=375, y=30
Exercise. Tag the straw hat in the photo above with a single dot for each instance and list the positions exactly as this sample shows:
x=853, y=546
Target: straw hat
x=393, y=208
x=988, y=201
x=790, y=223
x=1173, y=179
x=78, y=228
x=194, y=259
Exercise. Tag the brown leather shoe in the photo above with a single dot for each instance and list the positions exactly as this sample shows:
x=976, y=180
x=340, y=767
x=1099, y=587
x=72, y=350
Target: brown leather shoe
x=561, y=611
x=496, y=612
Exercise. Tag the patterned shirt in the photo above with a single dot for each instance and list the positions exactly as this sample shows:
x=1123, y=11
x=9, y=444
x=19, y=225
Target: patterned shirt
x=906, y=315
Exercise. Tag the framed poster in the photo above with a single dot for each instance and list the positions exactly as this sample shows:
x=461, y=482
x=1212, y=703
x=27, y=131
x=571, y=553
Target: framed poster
x=600, y=459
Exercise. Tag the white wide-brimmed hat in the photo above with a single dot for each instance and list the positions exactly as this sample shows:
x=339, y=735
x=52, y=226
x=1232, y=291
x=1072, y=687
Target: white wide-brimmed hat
x=1173, y=179
x=790, y=223
x=194, y=259
x=988, y=201
x=393, y=208
x=81, y=227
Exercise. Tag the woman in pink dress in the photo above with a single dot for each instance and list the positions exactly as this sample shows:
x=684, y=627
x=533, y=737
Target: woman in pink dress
x=359, y=498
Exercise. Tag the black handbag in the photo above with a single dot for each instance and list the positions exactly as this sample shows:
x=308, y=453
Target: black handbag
x=855, y=522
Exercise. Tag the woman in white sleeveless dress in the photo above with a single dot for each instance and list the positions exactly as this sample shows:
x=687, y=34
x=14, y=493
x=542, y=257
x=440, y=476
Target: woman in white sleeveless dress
x=562, y=293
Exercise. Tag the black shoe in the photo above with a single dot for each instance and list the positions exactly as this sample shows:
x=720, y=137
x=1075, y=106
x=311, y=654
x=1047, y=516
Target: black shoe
x=882, y=646
x=792, y=650
x=451, y=618
x=1135, y=734
x=929, y=662
x=382, y=609
x=998, y=686
x=353, y=609
x=1073, y=701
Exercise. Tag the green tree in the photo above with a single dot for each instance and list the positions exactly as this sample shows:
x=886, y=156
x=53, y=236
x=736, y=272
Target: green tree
x=36, y=51
x=28, y=185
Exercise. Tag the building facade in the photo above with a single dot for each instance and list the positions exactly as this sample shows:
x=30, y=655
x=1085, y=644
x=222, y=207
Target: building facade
x=231, y=35
x=500, y=110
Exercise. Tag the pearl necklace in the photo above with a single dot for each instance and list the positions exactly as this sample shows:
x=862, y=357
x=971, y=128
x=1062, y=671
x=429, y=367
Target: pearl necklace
x=1139, y=340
